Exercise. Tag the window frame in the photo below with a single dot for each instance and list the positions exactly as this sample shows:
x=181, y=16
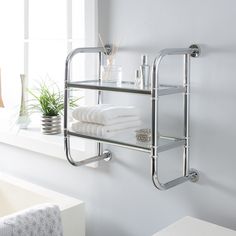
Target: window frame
x=33, y=140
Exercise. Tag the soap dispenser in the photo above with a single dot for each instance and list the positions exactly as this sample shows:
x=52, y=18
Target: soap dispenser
x=145, y=72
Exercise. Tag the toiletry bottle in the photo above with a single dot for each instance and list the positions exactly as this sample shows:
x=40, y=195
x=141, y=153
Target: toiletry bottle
x=145, y=72
x=137, y=81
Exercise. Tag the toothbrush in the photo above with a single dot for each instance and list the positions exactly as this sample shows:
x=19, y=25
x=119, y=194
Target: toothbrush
x=1, y=101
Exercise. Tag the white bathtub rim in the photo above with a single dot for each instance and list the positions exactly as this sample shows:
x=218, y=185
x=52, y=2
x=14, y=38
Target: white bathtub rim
x=63, y=201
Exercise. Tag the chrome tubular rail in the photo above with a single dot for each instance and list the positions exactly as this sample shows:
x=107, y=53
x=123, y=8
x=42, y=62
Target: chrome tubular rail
x=188, y=174
x=106, y=155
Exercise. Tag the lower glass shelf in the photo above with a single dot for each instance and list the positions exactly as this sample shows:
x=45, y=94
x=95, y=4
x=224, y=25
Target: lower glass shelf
x=130, y=141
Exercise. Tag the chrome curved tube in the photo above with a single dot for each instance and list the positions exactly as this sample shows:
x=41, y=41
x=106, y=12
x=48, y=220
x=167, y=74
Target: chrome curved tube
x=105, y=155
x=176, y=51
x=155, y=179
x=101, y=156
x=187, y=174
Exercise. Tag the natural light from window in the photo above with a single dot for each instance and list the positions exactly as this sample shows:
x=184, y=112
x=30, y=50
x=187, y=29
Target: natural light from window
x=36, y=36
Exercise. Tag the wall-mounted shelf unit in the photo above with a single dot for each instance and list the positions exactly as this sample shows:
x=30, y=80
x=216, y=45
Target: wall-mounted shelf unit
x=158, y=143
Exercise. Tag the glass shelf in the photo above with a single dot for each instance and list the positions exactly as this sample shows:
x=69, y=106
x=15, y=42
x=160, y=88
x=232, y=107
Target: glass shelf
x=126, y=86
x=128, y=140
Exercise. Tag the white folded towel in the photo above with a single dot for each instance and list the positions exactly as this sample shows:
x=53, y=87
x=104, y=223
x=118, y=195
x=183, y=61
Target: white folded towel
x=105, y=131
x=42, y=220
x=104, y=114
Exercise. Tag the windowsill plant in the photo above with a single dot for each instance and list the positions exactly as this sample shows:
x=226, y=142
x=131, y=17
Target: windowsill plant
x=49, y=101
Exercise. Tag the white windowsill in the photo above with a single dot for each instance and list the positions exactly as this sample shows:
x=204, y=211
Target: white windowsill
x=32, y=139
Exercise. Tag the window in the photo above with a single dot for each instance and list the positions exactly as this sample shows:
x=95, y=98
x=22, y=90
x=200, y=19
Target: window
x=52, y=29
x=35, y=38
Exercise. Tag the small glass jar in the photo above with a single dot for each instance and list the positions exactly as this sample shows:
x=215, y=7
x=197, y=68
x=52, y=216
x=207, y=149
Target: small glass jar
x=112, y=74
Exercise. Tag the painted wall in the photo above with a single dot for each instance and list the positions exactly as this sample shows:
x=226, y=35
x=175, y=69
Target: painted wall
x=120, y=197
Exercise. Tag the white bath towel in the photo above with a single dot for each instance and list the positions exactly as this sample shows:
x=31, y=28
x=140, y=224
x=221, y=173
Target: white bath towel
x=42, y=220
x=105, y=131
x=104, y=114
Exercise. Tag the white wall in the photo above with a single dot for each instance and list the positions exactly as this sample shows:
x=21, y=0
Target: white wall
x=120, y=197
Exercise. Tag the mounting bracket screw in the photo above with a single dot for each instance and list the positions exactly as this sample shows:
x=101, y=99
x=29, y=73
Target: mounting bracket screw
x=197, y=50
x=194, y=175
x=108, y=48
x=108, y=154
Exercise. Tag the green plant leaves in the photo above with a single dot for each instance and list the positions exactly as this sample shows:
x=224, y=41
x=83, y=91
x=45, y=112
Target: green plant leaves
x=49, y=100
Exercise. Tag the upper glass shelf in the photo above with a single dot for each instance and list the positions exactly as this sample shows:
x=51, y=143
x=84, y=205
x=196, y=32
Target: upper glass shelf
x=125, y=86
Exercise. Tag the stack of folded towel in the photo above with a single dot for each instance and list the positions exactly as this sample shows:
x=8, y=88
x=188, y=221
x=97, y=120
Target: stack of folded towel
x=104, y=120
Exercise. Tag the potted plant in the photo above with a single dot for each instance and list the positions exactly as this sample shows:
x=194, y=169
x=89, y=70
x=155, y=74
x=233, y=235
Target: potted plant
x=49, y=101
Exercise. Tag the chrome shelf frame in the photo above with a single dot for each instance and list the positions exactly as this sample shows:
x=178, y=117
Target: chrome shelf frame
x=102, y=155
x=188, y=174
x=155, y=92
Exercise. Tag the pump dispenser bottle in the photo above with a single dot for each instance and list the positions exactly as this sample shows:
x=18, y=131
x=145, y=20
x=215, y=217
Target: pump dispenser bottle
x=145, y=72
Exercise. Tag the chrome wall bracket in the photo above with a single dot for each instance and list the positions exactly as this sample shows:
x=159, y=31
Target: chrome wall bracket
x=108, y=48
x=196, y=50
x=188, y=174
x=108, y=155
x=194, y=175
x=102, y=155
